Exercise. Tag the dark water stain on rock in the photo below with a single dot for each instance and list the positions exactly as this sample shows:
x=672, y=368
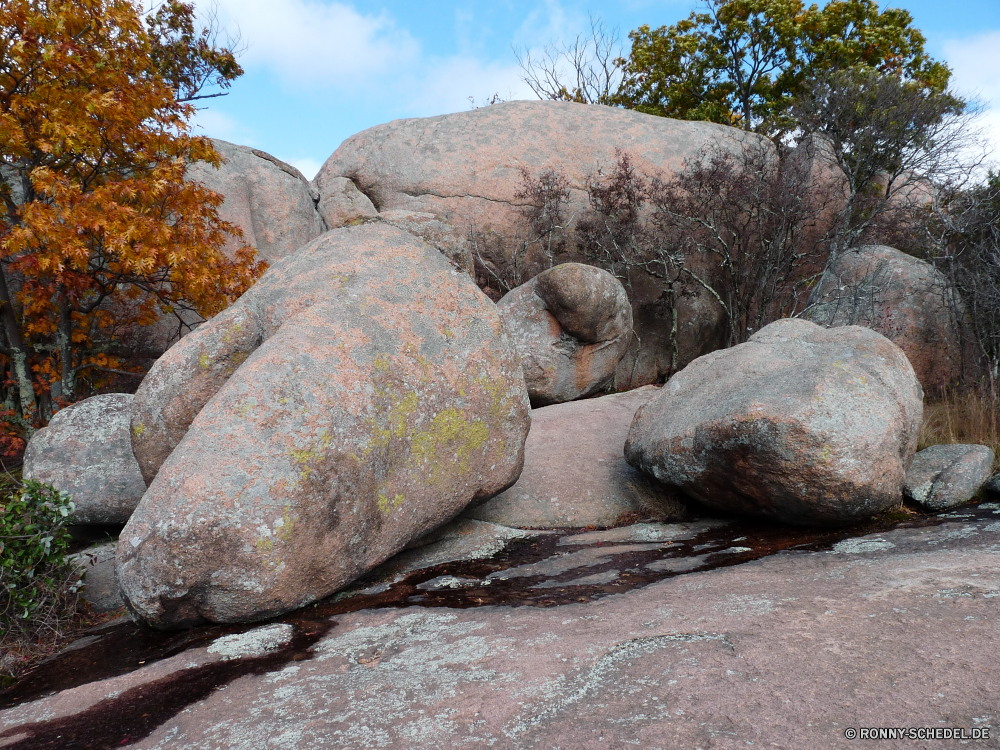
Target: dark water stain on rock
x=537, y=571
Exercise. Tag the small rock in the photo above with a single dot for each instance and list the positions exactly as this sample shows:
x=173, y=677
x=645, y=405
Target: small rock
x=100, y=588
x=801, y=424
x=86, y=451
x=575, y=474
x=570, y=325
x=943, y=476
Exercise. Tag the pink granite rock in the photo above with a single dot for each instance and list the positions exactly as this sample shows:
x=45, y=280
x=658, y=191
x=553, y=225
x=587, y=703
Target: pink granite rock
x=269, y=200
x=575, y=474
x=362, y=393
x=943, y=476
x=465, y=168
x=801, y=424
x=905, y=299
x=85, y=450
x=571, y=325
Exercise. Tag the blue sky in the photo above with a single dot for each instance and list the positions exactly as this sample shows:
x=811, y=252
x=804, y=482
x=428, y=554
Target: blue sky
x=318, y=71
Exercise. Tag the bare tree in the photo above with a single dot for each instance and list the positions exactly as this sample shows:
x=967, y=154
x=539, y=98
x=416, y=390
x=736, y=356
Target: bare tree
x=588, y=70
x=891, y=143
x=756, y=216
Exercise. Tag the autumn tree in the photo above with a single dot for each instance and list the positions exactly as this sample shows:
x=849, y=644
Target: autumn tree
x=99, y=233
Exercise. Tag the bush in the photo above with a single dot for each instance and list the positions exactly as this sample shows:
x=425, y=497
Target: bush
x=38, y=585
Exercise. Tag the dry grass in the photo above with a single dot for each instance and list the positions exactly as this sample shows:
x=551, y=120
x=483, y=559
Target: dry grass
x=971, y=415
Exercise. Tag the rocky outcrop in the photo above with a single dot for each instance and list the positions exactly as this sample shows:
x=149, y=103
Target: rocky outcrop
x=86, y=451
x=269, y=200
x=943, y=476
x=570, y=325
x=465, y=169
x=332, y=415
x=801, y=424
x=905, y=299
x=575, y=474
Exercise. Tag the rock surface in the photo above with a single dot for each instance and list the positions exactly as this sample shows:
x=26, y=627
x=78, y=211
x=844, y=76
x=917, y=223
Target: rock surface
x=362, y=393
x=571, y=325
x=905, y=299
x=98, y=565
x=904, y=620
x=86, y=451
x=943, y=476
x=575, y=473
x=801, y=424
x=269, y=200
x=465, y=168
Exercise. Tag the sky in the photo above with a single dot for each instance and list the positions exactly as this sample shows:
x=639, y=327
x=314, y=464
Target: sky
x=318, y=71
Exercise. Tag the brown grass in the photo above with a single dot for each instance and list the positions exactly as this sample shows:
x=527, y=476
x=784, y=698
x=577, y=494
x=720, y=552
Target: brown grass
x=971, y=415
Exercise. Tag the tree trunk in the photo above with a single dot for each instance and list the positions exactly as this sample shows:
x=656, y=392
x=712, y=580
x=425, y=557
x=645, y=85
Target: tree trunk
x=19, y=355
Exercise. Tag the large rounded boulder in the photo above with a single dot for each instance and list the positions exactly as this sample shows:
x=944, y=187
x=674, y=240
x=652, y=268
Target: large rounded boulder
x=85, y=450
x=271, y=201
x=801, y=424
x=571, y=325
x=905, y=299
x=467, y=169
x=361, y=394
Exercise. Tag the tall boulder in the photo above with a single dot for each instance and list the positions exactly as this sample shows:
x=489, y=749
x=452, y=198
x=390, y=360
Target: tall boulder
x=905, y=299
x=271, y=201
x=571, y=325
x=465, y=169
x=801, y=424
x=361, y=394
x=86, y=451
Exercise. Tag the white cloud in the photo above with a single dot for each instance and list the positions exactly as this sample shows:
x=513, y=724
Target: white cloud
x=308, y=167
x=975, y=64
x=217, y=124
x=312, y=43
x=447, y=84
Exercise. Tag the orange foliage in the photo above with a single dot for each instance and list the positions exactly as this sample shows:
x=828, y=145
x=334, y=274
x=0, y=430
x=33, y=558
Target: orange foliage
x=99, y=233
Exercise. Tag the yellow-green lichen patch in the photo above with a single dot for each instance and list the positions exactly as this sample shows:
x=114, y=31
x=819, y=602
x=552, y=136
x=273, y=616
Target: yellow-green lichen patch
x=386, y=505
x=204, y=362
x=139, y=430
x=234, y=328
x=450, y=437
x=305, y=457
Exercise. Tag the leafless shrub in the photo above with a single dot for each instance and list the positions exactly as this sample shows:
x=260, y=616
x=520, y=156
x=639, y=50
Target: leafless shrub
x=505, y=262
x=588, y=70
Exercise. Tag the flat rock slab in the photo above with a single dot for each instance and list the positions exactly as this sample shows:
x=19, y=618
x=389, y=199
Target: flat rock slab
x=945, y=476
x=575, y=473
x=896, y=629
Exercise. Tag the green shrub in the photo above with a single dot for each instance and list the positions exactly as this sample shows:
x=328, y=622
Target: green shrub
x=38, y=585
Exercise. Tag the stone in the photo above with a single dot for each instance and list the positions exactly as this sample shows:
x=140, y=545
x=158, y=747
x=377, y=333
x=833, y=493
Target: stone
x=570, y=325
x=86, y=451
x=943, y=476
x=575, y=473
x=713, y=659
x=800, y=424
x=98, y=566
x=361, y=394
x=271, y=201
x=465, y=168
x=905, y=299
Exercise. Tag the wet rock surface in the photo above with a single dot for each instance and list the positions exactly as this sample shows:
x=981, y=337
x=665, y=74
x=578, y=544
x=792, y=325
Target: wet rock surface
x=86, y=451
x=575, y=473
x=782, y=637
x=800, y=424
x=571, y=325
x=945, y=476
